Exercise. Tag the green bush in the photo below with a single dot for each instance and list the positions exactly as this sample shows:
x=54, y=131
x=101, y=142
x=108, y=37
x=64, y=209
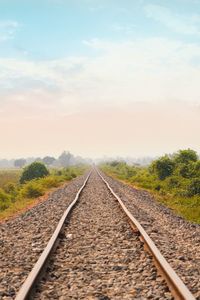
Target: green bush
x=114, y=163
x=32, y=190
x=162, y=167
x=175, y=180
x=33, y=171
x=67, y=177
x=58, y=172
x=70, y=173
x=186, y=170
x=185, y=156
x=4, y=200
x=10, y=188
x=194, y=187
x=51, y=181
x=14, y=196
x=197, y=168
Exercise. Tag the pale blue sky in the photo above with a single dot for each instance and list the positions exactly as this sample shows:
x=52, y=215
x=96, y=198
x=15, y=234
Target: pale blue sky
x=55, y=28
x=61, y=58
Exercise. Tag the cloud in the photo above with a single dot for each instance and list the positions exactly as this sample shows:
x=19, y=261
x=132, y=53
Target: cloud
x=183, y=24
x=127, y=29
x=153, y=70
x=8, y=29
x=147, y=89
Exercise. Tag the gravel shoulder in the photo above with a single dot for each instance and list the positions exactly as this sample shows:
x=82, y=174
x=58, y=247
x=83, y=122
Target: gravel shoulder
x=100, y=257
x=23, y=238
x=177, y=239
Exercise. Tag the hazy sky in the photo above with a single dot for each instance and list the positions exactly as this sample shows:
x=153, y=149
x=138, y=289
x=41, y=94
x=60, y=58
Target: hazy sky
x=114, y=77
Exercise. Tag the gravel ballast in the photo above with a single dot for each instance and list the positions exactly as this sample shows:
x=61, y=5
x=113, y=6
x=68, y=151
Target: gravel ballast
x=23, y=239
x=177, y=239
x=100, y=257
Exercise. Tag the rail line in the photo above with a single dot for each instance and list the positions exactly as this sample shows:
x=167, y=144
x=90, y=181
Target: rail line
x=175, y=284
x=27, y=288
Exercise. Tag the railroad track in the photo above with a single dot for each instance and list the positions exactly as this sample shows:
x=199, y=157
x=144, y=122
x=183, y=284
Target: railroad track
x=95, y=253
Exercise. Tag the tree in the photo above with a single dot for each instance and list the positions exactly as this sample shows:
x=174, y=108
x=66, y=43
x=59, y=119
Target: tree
x=19, y=163
x=186, y=156
x=38, y=159
x=162, y=167
x=65, y=159
x=48, y=160
x=115, y=163
x=33, y=171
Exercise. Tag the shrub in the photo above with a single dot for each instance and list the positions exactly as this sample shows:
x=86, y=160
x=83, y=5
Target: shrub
x=194, y=187
x=114, y=163
x=173, y=181
x=32, y=190
x=186, y=170
x=69, y=173
x=185, y=156
x=157, y=187
x=51, y=181
x=73, y=174
x=4, y=200
x=197, y=168
x=33, y=171
x=10, y=188
x=162, y=167
x=59, y=173
x=67, y=177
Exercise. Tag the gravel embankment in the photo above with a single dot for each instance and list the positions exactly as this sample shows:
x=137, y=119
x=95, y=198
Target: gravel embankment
x=23, y=239
x=177, y=239
x=99, y=256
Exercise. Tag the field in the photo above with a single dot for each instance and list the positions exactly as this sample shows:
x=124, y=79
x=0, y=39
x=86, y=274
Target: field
x=9, y=175
x=174, y=181
x=15, y=197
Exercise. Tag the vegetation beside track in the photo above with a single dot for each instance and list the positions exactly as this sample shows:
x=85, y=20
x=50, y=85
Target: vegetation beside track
x=15, y=196
x=173, y=179
x=9, y=175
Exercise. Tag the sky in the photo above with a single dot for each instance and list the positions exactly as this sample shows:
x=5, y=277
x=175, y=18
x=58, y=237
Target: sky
x=99, y=77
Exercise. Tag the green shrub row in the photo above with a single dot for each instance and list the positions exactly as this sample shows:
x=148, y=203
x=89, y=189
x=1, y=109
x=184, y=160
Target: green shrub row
x=12, y=192
x=175, y=177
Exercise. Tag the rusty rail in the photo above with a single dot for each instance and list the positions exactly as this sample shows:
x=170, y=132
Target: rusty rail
x=29, y=284
x=178, y=289
x=176, y=285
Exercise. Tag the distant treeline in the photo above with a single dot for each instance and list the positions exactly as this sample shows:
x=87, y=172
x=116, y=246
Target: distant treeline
x=142, y=161
x=66, y=159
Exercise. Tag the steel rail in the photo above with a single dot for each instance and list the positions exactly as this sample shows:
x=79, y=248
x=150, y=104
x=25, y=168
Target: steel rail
x=178, y=289
x=29, y=284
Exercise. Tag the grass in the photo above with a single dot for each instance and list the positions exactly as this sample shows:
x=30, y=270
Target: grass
x=170, y=192
x=16, y=197
x=9, y=175
x=189, y=208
